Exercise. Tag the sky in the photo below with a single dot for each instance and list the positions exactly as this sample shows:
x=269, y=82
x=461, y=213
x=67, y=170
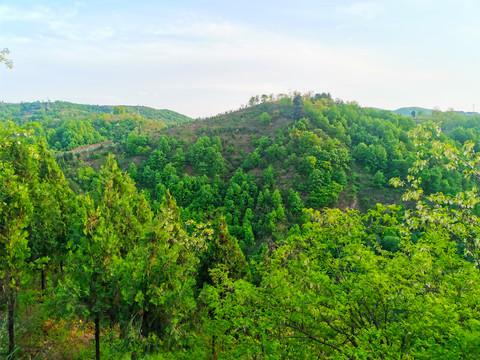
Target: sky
x=201, y=58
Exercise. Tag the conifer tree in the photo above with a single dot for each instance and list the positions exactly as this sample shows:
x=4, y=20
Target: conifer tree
x=158, y=276
x=54, y=212
x=115, y=218
x=17, y=170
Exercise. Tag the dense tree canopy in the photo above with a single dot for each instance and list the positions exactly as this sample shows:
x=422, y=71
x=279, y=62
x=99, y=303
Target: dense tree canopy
x=272, y=232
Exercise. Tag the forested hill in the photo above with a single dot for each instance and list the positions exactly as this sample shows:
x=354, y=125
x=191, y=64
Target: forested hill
x=68, y=125
x=269, y=232
x=262, y=164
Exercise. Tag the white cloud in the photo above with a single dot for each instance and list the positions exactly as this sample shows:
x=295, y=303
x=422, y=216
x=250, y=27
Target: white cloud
x=16, y=40
x=8, y=13
x=199, y=28
x=43, y=21
x=367, y=10
x=101, y=34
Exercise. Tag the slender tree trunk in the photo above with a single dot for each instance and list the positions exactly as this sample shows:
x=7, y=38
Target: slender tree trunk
x=214, y=355
x=97, y=338
x=43, y=279
x=11, y=320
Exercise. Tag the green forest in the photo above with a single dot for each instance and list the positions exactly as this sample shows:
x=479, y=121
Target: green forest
x=296, y=227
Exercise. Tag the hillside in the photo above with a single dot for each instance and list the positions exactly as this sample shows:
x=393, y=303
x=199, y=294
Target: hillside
x=267, y=232
x=262, y=164
x=309, y=150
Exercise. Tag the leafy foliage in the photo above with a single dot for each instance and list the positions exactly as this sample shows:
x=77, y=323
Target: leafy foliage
x=205, y=250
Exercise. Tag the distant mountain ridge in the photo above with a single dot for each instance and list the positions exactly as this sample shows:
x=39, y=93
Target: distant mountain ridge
x=407, y=111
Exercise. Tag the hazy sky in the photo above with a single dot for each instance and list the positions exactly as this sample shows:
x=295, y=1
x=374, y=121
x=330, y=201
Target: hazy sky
x=200, y=58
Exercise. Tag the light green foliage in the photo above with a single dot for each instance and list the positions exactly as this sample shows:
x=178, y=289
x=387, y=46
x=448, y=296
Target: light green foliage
x=455, y=213
x=309, y=164
x=360, y=153
x=340, y=177
x=229, y=330
x=137, y=144
x=157, y=160
x=326, y=293
x=133, y=171
x=68, y=125
x=275, y=153
x=252, y=160
x=358, y=287
x=224, y=251
x=74, y=133
x=379, y=179
x=265, y=118
x=86, y=177
x=249, y=238
x=118, y=110
x=16, y=210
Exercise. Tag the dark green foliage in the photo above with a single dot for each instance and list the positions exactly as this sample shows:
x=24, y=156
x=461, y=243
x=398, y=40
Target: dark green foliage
x=162, y=265
x=390, y=243
x=36, y=214
x=265, y=118
x=223, y=253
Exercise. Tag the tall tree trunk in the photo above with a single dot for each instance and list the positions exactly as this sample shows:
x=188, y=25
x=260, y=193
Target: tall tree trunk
x=97, y=338
x=214, y=354
x=11, y=320
x=43, y=279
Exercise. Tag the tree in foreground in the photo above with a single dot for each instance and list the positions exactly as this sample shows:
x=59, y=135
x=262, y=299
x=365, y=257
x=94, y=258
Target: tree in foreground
x=457, y=214
x=157, y=282
x=15, y=212
x=329, y=293
x=30, y=215
x=341, y=290
x=132, y=271
x=115, y=217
